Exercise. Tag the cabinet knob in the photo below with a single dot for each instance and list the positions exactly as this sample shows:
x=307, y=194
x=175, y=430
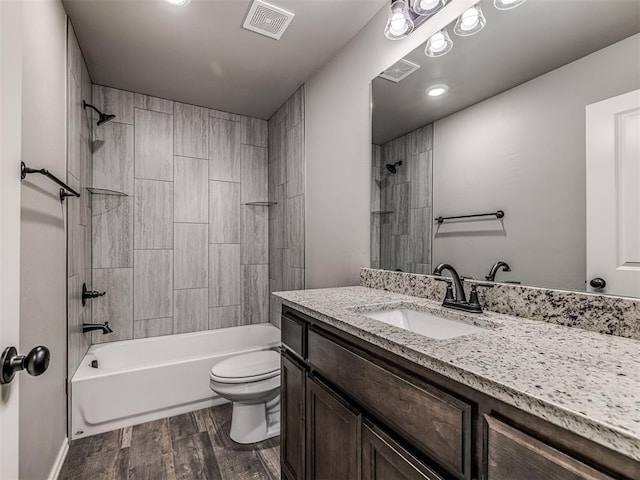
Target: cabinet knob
x=598, y=282
x=35, y=362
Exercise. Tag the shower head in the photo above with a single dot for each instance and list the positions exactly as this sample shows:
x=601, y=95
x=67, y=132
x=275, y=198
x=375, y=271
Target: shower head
x=103, y=117
x=392, y=168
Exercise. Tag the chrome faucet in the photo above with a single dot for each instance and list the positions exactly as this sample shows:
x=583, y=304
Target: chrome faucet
x=89, y=327
x=496, y=267
x=458, y=300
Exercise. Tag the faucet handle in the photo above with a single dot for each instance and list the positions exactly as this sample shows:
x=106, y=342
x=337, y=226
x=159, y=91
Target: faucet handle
x=449, y=294
x=473, y=297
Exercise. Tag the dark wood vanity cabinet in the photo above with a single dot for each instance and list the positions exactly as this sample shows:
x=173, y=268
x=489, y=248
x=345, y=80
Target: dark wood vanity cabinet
x=351, y=410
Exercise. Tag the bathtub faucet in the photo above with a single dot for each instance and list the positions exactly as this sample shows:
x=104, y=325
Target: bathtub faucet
x=88, y=327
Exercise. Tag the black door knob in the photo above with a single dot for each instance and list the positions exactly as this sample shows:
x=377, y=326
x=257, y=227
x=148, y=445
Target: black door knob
x=35, y=362
x=598, y=282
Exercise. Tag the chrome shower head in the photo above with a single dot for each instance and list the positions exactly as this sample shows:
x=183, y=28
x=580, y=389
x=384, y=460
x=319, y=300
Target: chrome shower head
x=392, y=168
x=103, y=117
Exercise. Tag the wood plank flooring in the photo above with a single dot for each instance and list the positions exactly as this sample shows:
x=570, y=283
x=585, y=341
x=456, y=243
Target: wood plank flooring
x=193, y=446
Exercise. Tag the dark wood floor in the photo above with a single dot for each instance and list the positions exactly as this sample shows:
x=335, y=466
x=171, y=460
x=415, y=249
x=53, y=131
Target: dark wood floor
x=186, y=447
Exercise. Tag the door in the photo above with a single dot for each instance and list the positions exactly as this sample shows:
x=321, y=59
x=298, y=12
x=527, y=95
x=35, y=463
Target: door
x=333, y=435
x=385, y=459
x=292, y=437
x=10, y=153
x=613, y=195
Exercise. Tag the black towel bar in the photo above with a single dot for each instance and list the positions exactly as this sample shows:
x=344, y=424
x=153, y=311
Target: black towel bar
x=65, y=191
x=498, y=214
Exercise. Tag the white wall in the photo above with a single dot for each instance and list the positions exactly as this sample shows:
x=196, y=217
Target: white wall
x=338, y=148
x=523, y=151
x=43, y=237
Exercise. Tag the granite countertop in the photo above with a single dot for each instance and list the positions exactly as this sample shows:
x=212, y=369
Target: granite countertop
x=586, y=382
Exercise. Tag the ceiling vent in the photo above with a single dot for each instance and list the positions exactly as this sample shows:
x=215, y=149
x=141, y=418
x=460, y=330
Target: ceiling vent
x=399, y=70
x=267, y=19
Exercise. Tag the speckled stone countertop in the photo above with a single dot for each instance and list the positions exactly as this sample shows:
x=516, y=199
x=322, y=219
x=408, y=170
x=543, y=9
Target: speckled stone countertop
x=586, y=382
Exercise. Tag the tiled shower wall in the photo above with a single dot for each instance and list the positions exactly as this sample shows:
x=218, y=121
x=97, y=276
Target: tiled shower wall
x=78, y=209
x=183, y=251
x=404, y=216
x=286, y=187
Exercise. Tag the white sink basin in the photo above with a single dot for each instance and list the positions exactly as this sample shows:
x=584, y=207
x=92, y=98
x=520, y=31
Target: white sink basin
x=424, y=323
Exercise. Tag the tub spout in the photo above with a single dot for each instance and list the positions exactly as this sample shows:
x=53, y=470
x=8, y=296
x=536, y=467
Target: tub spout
x=89, y=327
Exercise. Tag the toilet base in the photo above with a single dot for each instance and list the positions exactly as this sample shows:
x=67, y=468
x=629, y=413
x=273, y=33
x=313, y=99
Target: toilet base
x=252, y=423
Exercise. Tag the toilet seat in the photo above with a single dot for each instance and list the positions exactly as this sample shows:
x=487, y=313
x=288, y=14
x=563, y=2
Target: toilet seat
x=247, y=368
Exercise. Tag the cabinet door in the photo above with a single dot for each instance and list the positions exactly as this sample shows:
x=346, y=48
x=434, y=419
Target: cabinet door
x=333, y=435
x=514, y=454
x=292, y=421
x=385, y=459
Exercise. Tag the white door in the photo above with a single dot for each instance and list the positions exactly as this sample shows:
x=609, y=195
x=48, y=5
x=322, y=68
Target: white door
x=613, y=194
x=10, y=150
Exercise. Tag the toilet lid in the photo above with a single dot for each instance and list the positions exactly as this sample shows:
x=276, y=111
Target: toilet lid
x=249, y=367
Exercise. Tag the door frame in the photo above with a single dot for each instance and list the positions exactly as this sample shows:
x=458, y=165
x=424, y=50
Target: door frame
x=10, y=155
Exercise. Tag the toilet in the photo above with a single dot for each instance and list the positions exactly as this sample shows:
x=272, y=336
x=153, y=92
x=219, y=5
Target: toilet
x=252, y=382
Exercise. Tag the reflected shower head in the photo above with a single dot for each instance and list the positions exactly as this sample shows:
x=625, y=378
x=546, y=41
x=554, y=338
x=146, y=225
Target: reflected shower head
x=392, y=168
x=103, y=117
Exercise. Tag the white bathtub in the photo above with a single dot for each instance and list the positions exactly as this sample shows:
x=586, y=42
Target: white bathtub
x=142, y=380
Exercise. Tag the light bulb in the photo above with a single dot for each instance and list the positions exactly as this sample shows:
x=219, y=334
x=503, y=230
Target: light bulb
x=178, y=3
x=471, y=21
x=507, y=4
x=438, y=44
x=437, y=90
x=399, y=24
x=427, y=7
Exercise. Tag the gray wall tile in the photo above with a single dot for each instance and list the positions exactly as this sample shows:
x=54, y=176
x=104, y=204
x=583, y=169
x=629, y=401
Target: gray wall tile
x=113, y=157
x=112, y=227
x=192, y=131
x=224, y=212
x=223, y=317
x=224, y=275
x=191, y=252
x=116, y=307
x=153, y=145
x=255, y=236
x=152, y=327
x=255, y=294
x=153, y=284
x=295, y=161
x=295, y=231
x=254, y=132
x=224, y=115
x=74, y=325
x=74, y=128
x=115, y=102
x=400, y=208
x=294, y=108
x=224, y=150
x=293, y=278
x=190, y=310
x=421, y=182
x=420, y=235
x=153, y=103
x=191, y=190
x=254, y=173
x=153, y=214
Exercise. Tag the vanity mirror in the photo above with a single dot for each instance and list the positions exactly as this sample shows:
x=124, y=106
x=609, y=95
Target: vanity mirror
x=533, y=121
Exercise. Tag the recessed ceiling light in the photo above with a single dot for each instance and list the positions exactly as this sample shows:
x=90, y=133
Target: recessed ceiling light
x=437, y=90
x=471, y=21
x=178, y=3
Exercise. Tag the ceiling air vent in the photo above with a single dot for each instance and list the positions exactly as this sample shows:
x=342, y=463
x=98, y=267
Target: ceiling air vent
x=399, y=70
x=267, y=19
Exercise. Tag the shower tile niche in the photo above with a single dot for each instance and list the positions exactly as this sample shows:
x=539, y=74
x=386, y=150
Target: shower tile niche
x=182, y=252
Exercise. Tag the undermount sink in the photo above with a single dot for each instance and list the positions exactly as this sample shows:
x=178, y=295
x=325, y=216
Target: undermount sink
x=424, y=323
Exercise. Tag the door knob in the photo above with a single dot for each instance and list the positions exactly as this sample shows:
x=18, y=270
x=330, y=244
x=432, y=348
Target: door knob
x=35, y=362
x=598, y=282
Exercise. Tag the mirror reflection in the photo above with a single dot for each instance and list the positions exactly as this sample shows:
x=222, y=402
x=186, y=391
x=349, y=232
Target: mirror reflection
x=515, y=156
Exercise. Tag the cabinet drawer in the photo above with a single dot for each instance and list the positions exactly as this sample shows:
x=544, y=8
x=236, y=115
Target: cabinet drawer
x=512, y=453
x=434, y=422
x=294, y=335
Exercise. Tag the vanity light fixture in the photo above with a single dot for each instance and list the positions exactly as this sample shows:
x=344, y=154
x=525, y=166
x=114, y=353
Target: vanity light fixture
x=178, y=3
x=507, y=4
x=438, y=44
x=470, y=22
x=437, y=90
x=399, y=24
x=428, y=7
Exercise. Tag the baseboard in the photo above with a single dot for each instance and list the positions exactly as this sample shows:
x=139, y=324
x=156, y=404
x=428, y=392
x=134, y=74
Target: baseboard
x=60, y=458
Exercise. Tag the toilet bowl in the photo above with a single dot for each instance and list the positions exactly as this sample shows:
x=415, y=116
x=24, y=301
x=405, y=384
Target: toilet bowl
x=252, y=382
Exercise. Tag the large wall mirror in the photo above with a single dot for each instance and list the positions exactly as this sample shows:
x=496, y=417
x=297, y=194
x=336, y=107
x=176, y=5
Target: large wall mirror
x=538, y=117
